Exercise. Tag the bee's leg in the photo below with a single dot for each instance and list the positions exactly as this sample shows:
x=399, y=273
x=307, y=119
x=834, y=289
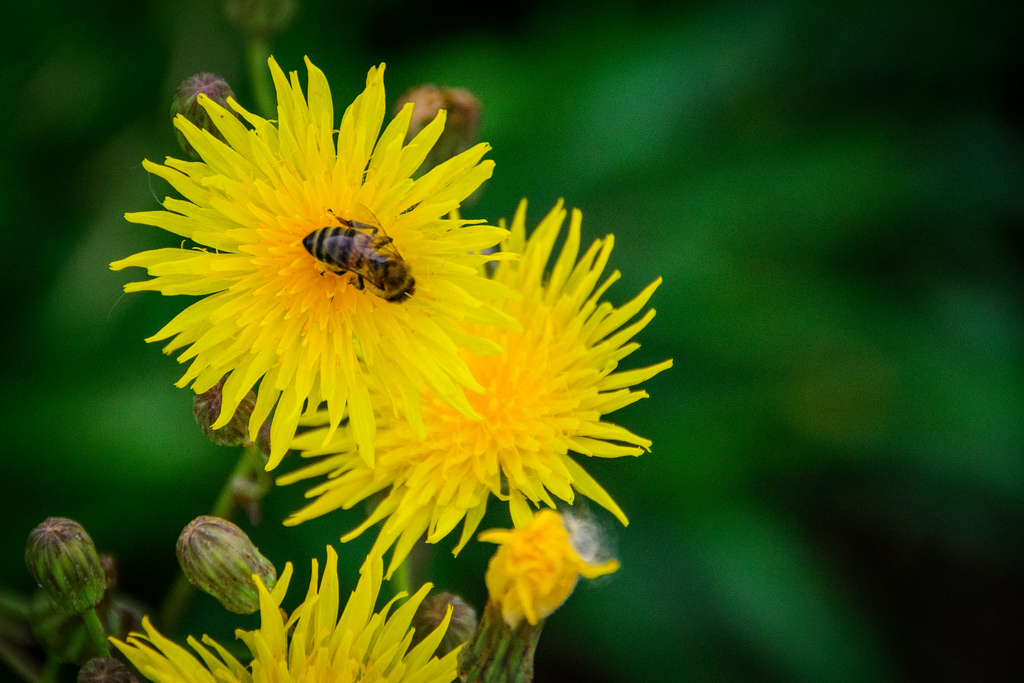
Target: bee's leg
x=359, y=282
x=383, y=239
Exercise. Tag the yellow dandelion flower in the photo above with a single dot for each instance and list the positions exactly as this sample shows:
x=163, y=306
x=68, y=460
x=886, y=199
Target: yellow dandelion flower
x=313, y=645
x=544, y=397
x=536, y=568
x=306, y=330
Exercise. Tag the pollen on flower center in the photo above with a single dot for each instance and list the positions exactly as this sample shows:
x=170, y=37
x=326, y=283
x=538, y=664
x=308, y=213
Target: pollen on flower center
x=524, y=402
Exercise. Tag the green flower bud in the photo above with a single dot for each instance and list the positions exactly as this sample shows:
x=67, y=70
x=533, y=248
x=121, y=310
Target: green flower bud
x=219, y=559
x=462, y=123
x=206, y=409
x=185, y=102
x=63, y=560
x=105, y=670
x=431, y=613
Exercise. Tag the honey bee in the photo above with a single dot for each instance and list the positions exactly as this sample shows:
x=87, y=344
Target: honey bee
x=365, y=252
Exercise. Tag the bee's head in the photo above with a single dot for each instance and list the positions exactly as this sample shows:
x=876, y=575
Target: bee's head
x=401, y=283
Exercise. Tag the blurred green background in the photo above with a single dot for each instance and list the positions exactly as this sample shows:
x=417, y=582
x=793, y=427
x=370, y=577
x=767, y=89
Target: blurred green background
x=833, y=195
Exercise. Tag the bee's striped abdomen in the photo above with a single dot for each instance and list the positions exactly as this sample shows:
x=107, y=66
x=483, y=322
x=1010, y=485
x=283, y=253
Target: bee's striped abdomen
x=335, y=247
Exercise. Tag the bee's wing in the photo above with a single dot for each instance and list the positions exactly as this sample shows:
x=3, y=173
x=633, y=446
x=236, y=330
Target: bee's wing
x=366, y=221
x=364, y=218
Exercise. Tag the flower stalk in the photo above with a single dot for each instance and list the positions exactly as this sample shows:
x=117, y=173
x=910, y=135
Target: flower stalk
x=257, y=51
x=96, y=633
x=497, y=653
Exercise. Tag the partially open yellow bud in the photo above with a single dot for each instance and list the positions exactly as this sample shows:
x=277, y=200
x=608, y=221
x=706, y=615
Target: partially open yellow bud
x=536, y=568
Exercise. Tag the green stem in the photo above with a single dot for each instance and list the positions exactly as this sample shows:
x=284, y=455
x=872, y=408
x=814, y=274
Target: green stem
x=402, y=579
x=96, y=632
x=257, y=53
x=497, y=654
x=408, y=576
x=225, y=504
x=177, y=601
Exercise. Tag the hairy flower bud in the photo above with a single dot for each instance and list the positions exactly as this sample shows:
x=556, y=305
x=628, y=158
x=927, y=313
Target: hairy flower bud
x=186, y=103
x=431, y=614
x=105, y=670
x=63, y=560
x=219, y=559
x=206, y=408
x=462, y=123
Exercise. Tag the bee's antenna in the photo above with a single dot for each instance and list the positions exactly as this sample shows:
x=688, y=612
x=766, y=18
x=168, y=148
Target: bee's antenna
x=339, y=219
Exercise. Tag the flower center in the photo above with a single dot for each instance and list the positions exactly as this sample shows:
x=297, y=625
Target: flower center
x=526, y=409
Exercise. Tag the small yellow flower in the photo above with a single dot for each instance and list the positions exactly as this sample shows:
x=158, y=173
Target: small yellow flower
x=536, y=568
x=270, y=312
x=314, y=645
x=543, y=397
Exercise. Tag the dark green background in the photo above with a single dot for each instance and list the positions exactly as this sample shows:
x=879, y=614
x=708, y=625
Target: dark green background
x=832, y=193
